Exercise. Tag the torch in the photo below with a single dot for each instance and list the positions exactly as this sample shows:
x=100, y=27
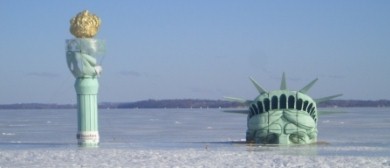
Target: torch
x=83, y=54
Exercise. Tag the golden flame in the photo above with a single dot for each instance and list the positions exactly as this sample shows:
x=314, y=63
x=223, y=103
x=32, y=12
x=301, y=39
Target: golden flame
x=84, y=25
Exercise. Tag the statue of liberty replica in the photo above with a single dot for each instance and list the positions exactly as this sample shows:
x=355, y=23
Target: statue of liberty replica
x=82, y=55
x=282, y=116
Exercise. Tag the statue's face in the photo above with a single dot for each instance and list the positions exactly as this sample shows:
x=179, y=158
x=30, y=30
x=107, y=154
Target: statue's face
x=287, y=126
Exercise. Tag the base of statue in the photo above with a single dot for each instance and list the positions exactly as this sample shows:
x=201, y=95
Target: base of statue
x=87, y=111
x=88, y=139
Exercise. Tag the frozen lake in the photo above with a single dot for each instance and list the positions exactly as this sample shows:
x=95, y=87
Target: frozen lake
x=357, y=137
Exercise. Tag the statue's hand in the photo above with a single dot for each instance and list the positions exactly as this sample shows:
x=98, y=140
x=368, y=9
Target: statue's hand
x=98, y=69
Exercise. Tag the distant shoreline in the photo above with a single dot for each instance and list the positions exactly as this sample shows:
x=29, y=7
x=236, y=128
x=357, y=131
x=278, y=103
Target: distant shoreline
x=187, y=103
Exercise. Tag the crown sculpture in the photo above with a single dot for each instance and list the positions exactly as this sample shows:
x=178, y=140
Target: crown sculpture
x=82, y=55
x=282, y=116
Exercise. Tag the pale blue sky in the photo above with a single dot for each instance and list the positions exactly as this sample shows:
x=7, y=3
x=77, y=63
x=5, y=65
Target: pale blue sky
x=199, y=49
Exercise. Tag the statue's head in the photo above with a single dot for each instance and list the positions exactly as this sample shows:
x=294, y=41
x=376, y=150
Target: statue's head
x=85, y=25
x=282, y=116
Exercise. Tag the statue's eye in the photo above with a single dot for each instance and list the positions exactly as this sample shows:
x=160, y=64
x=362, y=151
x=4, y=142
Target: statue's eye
x=298, y=138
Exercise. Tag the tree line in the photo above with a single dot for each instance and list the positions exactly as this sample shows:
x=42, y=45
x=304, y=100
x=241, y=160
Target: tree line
x=189, y=103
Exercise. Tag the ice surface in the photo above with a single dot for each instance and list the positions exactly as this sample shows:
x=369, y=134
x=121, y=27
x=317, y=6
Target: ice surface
x=360, y=137
x=177, y=158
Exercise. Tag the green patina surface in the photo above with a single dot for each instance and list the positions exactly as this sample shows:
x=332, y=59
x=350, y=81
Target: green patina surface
x=81, y=58
x=282, y=116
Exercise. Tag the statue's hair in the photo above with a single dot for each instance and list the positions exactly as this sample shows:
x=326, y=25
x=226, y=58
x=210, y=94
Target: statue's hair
x=292, y=117
x=263, y=120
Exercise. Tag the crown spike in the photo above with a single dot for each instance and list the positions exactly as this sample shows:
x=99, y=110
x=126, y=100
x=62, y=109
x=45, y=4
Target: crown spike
x=324, y=99
x=258, y=87
x=308, y=86
x=283, y=84
x=239, y=100
x=239, y=111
